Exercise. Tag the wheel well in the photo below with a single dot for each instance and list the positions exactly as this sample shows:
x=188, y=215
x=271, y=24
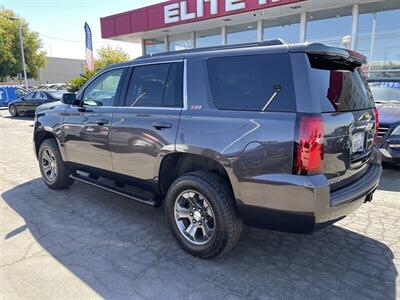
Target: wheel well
x=175, y=165
x=40, y=137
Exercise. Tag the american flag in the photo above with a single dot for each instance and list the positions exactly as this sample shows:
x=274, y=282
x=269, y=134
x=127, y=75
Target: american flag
x=89, y=47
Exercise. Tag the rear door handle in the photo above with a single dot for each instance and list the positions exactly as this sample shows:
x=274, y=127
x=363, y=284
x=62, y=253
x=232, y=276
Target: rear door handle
x=161, y=125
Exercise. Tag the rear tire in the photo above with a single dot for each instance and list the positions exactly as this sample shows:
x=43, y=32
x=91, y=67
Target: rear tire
x=13, y=111
x=54, y=171
x=213, y=212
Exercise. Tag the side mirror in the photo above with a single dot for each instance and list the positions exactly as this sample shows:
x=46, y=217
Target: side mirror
x=70, y=99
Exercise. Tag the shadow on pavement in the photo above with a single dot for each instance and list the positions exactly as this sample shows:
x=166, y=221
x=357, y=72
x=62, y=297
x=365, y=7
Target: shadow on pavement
x=122, y=249
x=390, y=179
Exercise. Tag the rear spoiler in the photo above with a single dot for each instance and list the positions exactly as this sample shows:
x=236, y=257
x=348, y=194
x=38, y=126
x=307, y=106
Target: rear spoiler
x=350, y=57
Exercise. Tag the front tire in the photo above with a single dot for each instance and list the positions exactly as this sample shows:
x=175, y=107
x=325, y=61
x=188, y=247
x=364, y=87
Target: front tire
x=201, y=214
x=13, y=111
x=54, y=171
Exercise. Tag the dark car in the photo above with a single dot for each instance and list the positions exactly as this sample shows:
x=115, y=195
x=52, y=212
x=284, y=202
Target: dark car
x=386, y=92
x=268, y=134
x=27, y=104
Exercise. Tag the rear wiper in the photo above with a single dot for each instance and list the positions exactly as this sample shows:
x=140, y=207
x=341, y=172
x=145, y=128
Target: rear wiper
x=277, y=90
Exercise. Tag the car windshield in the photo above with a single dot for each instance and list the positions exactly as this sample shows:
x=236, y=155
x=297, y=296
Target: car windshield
x=385, y=91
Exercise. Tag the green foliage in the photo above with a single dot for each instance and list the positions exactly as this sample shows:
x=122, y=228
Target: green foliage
x=106, y=56
x=76, y=83
x=10, y=51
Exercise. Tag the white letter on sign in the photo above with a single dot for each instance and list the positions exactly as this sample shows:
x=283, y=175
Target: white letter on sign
x=234, y=5
x=213, y=6
x=184, y=13
x=200, y=8
x=171, y=13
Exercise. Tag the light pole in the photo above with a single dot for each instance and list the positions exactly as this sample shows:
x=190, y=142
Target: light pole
x=21, y=43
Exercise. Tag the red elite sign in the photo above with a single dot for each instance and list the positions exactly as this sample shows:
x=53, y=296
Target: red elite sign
x=175, y=12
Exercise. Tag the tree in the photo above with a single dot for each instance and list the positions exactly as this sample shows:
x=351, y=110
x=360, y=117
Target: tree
x=106, y=56
x=10, y=51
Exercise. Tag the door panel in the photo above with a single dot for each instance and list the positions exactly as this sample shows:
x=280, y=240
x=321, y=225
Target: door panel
x=86, y=129
x=145, y=129
x=138, y=137
x=86, y=136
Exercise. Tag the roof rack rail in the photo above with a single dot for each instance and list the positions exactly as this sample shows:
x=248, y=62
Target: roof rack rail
x=273, y=42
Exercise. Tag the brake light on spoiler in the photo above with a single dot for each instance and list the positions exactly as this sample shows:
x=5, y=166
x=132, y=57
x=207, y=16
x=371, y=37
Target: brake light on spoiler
x=309, y=150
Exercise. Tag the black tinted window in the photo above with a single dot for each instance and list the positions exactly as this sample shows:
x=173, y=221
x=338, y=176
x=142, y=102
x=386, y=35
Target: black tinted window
x=156, y=86
x=339, y=84
x=248, y=82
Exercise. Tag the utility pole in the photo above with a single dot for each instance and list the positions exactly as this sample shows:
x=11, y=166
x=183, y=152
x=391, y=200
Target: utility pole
x=23, y=56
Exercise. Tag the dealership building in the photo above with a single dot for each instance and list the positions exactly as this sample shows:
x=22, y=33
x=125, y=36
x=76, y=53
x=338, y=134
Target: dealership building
x=371, y=27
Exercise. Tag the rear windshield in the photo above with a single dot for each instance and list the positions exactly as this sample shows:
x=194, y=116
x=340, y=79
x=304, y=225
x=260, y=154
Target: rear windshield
x=340, y=88
x=247, y=83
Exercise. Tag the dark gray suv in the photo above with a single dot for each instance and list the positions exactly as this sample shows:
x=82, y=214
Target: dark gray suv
x=268, y=134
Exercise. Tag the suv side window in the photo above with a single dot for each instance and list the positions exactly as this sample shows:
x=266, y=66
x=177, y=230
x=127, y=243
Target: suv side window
x=102, y=91
x=158, y=85
x=247, y=82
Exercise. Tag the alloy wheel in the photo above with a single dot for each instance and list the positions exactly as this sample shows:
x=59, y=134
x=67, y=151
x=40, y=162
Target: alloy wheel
x=194, y=217
x=49, y=165
x=13, y=111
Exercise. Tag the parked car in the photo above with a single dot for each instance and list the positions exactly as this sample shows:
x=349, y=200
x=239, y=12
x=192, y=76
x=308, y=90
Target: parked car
x=9, y=93
x=267, y=134
x=386, y=92
x=53, y=87
x=28, y=103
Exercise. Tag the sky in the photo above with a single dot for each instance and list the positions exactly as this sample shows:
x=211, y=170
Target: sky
x=60, y=23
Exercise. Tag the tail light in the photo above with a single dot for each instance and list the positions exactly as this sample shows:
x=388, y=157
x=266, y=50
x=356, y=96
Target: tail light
x=376, y=114
x=310, y=145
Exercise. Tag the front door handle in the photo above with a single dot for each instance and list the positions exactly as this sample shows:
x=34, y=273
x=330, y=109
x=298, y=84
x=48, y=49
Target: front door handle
x=161, y=125
x=102, y=122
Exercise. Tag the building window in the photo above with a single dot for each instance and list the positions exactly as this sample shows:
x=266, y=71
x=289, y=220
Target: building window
x=379, y=38
x=208, y=38
x=180, y=42
x=286, y=28
x=153, y=46
x=331, y=27
x=244, y=33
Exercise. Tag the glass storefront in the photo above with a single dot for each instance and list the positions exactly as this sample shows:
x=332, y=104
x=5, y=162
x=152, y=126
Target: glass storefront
x=286, y=28
x=180, y=42
x=379, y=39
x=378, y=35
x=331, y=27
x=208, y=38
x=154, y=46
x=243, y=33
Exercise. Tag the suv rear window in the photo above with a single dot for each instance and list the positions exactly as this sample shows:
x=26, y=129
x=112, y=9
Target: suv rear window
x=339, y=87
x=247, y=82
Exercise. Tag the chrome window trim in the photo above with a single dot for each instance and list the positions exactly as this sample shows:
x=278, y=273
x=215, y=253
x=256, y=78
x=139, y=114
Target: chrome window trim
x=133, y=65
x=184, y=95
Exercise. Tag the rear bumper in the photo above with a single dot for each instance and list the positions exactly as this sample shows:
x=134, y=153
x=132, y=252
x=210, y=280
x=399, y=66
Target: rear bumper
x=302, y=204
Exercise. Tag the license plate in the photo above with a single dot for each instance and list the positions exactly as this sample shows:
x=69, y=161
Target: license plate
x=358, y=142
